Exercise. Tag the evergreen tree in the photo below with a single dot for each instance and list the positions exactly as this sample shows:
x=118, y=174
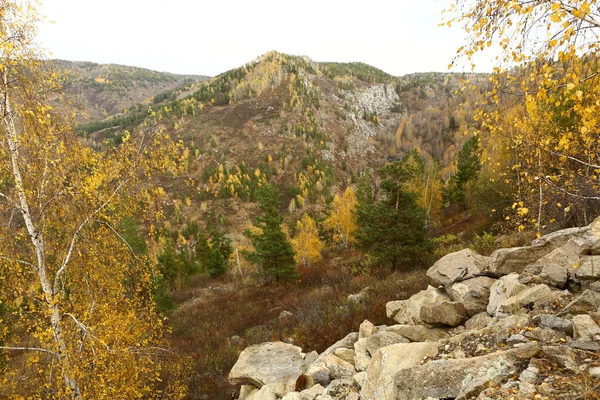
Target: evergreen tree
x=468, y=167
x=215, y=264
x=273, y=253
x=392, y=229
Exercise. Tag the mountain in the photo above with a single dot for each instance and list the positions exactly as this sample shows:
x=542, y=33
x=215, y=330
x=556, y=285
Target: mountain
x=102, y=90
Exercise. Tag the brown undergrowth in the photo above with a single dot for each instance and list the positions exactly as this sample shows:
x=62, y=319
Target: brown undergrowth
x=217, y=319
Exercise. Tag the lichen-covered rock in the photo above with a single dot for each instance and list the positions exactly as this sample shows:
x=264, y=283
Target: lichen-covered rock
x=418, y=333
x=473, y=293
x=448, y=313
x=458, y=266
x=274, y=364
x=409, y=311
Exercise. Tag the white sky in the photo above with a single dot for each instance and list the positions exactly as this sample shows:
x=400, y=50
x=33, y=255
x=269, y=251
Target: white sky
x=210, y=37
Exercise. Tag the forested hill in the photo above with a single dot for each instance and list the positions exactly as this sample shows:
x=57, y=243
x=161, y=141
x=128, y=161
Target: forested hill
x=102, y=90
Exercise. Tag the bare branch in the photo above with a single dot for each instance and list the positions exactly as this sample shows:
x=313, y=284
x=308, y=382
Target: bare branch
x=119, y=236
x=28, y=349
x=18, y=261
x=571, y=158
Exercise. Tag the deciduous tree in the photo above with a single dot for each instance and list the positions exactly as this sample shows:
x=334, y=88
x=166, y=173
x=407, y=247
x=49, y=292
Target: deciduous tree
x=306, y=243
x=342, y=219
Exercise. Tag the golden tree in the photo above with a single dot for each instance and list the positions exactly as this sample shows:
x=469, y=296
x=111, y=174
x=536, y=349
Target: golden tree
x=306, y=243
x=543, y=105
x=342, y=220
x=77, y=317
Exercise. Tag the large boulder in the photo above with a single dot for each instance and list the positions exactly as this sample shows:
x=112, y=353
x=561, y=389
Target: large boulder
x=276, y=365
x=584, y=303
x=588, y=268
x=361, y=355
x=418, y=333
x=501, y=290
x=338, y=368
x=515, y=259
x=347, y=343
x=447, y=313
x=383, y=339
x=409, y=311
x=530, y=298
x=556, y=323
x=366, y=329
x=439, y=378
x=380, y=383
x=458, y=266
x=473, y=293
x=265, y=393
x=585, y=328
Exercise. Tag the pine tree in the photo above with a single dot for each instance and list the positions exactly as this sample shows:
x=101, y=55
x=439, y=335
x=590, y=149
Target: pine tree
x=468, y=167
x=392, y=229
x=272, y=253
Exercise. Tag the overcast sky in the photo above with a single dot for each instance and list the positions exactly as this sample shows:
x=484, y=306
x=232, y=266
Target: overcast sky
x=210, y=37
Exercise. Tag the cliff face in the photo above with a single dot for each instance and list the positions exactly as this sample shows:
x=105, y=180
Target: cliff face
x=522, y=323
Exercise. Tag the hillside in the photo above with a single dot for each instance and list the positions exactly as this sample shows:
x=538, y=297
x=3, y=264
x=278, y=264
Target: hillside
x=102, y=90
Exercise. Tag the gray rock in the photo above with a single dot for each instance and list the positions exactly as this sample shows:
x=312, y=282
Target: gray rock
x=474, y=293
x=595, y=286
x=561, y=355
x=345, y=354
x=360, y=378
x=501, y=290
x=313, y=392
x=582, y=304
x=338, y=368
x=388, y=361
x=347, y=342
x=530, y=375
x=594, y=372
x=275, y=364
x=265, y=393
x=366, y=329
x=552, y=268
x=478, y=321
x=456, y=267
x=515, y=259
x=535, y=296
x=584, y=345
x=285, y=315
x=362, y=357
x=360, y=297
x=418, y=333
x=588, y=268
x=447, y=378
x=546, y=335
x=444, y=313
x=294, y=396
x=409, y=311
x=584, y=327
x=324, y=397
x=317, y=374
x=554, y=322
x=516, y=339
x=383, y=339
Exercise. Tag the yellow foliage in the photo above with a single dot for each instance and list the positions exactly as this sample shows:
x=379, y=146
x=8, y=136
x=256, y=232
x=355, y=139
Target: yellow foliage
x=306, y=243
x=342, y=220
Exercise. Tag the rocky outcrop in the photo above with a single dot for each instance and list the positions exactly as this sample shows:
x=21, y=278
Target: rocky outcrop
x=488, y=331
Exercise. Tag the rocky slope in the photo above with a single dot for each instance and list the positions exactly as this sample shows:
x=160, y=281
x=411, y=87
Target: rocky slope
x=522, y=323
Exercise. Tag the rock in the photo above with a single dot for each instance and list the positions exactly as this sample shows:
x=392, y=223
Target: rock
x=265, y=393
x=357, y=298
x=383, y=339
x=582, y=304
x=546, y=335
x=584, y=327
x=347, y=342
x=338, y=368
x=478, y=321
x=588, y=268
x=554, y=322
x=409, y=311
x=324, y=397
x=341, y=388
x=515, y=259
x=317, y=374
x=446, y=378
x=473, y=293
x=366, y=329
x=516, y=339
x=501, y=290
x=387, y=362
x=552, y=268
x=594, y=372
x=443, y=313
x=418, y=333
x=294, y=396
x=530, y=375
x=285, y=315
x=538, y=295
x=313, y=392
x=247, y=392
x=362, y=357
x=456, y=267
x=584, y=345
x=587, y=237
x=311, y=357
x=595, y=286
x=275, y=364
x=360, y=378
x=345, y=354
x=561, y=355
